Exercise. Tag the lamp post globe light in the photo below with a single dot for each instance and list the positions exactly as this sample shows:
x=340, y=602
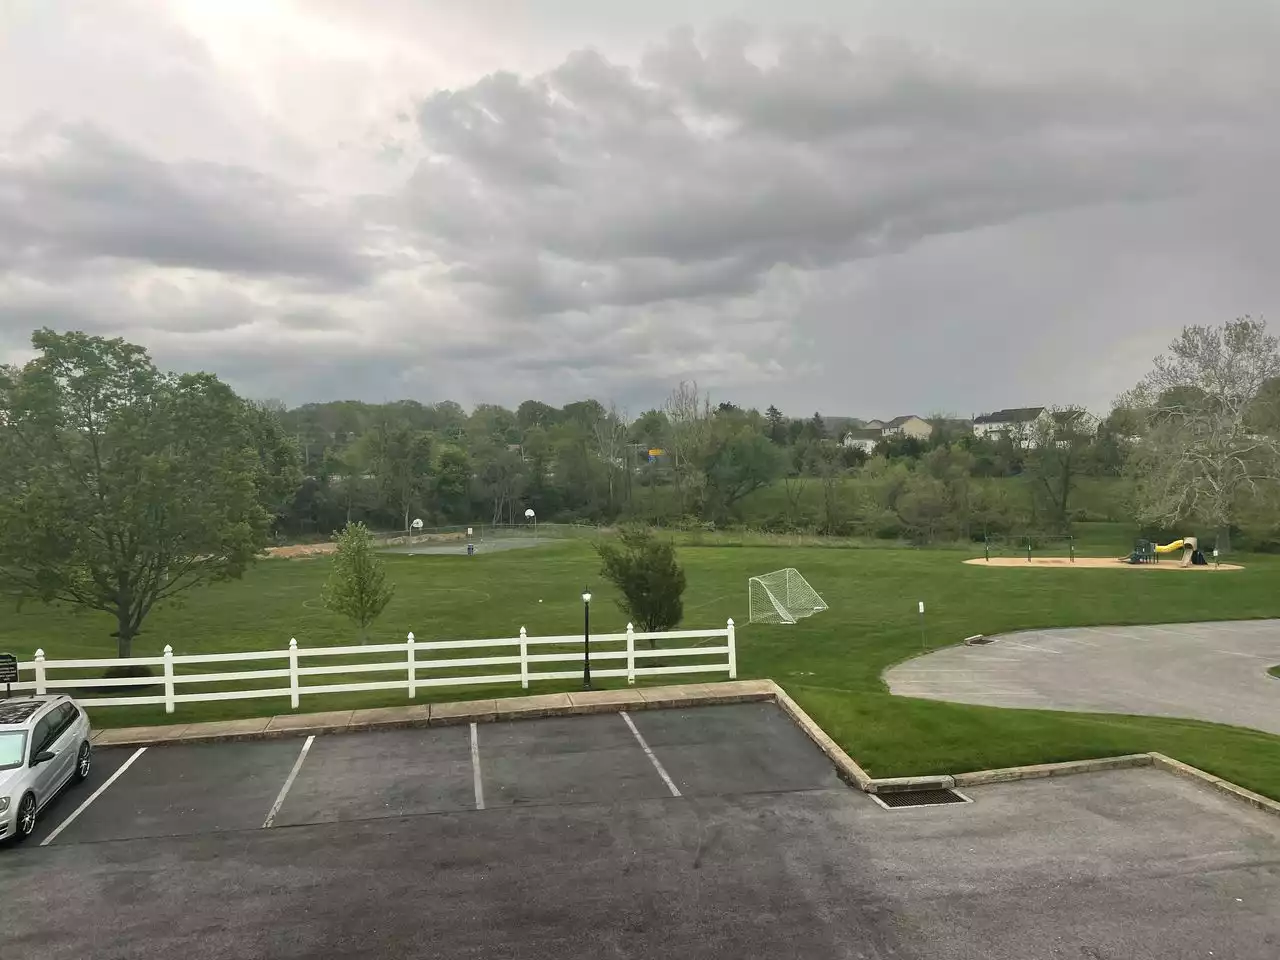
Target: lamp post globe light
x=586, y=639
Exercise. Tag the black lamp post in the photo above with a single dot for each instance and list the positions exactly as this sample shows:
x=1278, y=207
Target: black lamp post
x=586, y=639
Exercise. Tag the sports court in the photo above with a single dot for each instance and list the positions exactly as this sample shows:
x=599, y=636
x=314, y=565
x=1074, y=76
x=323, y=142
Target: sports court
x=710, y=832
x=451, y=548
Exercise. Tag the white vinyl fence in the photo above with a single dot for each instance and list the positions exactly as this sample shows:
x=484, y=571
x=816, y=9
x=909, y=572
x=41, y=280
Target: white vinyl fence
x=616, y=653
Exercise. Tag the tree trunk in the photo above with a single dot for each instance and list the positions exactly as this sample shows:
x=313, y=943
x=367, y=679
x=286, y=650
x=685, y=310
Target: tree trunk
x=124, y=633
x=1224, y=539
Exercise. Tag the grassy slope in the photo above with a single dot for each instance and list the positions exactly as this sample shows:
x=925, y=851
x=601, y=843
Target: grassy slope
x=831, y=663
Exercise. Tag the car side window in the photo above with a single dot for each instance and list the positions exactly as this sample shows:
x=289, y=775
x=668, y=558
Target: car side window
x=66, y=717
x=40, y=736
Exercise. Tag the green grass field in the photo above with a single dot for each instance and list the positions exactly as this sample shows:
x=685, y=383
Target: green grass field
x=831, y=663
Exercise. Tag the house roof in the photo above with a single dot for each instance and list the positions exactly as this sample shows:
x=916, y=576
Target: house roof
x=1013, y=415
x=899, y=421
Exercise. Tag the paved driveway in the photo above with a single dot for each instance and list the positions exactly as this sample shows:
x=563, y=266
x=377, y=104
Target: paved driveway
x=1206, y=671
x=716, y=833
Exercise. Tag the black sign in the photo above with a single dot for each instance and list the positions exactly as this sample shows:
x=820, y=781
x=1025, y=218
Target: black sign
x=8, y=668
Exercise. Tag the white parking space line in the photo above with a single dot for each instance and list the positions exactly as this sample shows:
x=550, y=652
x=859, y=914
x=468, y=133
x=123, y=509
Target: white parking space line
x=475, y=767
x=293, y=775
x=92, y=797
x=1025, y=646
x=657, y=764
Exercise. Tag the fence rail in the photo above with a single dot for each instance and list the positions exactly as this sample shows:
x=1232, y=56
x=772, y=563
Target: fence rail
x=417, y=671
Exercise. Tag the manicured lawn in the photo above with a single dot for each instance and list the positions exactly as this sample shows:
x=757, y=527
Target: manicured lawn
x=831, y=662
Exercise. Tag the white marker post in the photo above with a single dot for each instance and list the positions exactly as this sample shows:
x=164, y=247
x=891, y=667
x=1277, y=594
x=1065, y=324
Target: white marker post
x=922, y=626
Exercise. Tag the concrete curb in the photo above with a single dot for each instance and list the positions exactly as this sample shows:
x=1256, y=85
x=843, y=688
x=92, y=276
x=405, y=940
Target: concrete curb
x=906, y=784
x=845, y=766
x=1038, y=770
x=442, y=714
x=1177, y=767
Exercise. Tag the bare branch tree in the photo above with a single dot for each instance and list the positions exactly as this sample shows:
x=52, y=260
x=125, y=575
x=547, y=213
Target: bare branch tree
x=1203, y=453
x=688, y=414
x=610, y=433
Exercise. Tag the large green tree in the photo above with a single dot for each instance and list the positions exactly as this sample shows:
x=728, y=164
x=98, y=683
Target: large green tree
x=1060, y=443
x=738, y=462
x=122, y=486
x=399, y=457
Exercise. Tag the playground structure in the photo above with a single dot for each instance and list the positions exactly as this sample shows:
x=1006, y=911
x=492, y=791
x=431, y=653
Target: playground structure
x=1145, y=551
x=1060, y=551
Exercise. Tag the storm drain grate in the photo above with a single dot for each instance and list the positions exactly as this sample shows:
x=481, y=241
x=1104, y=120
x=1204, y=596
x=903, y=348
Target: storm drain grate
x=918, y=798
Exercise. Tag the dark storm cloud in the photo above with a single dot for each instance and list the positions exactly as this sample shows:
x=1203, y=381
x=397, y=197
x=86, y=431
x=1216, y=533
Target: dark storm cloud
x=594, y=184
x=71, y=193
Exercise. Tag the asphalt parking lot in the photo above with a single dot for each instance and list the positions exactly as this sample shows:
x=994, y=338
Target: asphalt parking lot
x=1206, y=671
x=715, y=832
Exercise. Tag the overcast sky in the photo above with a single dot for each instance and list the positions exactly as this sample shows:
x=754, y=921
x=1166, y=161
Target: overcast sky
x=870, y=208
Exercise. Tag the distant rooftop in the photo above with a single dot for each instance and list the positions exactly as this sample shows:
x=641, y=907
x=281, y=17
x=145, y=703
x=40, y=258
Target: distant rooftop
x=1012, y=415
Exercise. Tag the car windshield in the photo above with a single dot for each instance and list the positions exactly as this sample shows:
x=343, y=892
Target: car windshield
x=12, y=743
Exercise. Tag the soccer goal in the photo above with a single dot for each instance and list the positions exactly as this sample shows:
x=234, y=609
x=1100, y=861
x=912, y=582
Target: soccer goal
x=782, y=597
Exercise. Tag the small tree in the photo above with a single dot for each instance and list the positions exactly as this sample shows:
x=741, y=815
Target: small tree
x=647, y=574
x=357, y=586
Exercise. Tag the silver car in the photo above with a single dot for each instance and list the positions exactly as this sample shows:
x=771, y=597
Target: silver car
x=44, y=745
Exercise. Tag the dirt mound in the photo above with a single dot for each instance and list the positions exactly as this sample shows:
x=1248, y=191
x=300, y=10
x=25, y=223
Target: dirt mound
x=302, y=550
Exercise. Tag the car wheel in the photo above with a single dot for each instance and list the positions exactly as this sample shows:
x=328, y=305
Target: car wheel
x=26, y=820
x=84, y=760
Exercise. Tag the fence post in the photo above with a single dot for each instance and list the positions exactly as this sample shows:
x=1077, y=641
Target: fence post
x=733, y=653
x=293, y=672
x=524, y=659
x=631, y=654
x=413, y=668
x=168, y=678
x=39, y=673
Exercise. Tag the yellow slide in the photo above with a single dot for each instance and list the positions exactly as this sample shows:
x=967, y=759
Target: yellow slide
x=1170, y=547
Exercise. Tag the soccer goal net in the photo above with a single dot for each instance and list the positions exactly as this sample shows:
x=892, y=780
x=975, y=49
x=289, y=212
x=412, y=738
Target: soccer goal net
x=782, y=597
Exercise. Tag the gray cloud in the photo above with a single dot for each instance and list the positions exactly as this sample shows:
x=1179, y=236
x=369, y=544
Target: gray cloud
x=912, y=209
x=697, y=174
x=71, y=193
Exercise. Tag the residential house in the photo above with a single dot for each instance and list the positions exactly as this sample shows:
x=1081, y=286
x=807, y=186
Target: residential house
x=909, y=426
x=874, y=425
x=863, y=438
x=1018, y=423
